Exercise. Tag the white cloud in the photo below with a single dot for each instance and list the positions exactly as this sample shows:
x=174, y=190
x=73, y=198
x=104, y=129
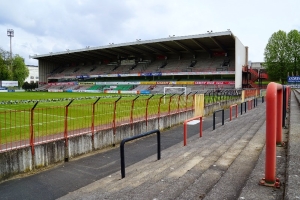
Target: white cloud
x=49, y=26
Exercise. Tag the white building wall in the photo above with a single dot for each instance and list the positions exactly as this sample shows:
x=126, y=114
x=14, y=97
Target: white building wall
x=33, y=74
x=240, y=59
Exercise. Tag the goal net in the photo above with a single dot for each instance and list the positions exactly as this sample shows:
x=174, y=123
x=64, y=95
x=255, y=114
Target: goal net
x=174, y=90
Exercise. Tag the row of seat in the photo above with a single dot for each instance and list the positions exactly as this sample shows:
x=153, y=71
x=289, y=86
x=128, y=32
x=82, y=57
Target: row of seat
x=163, y=66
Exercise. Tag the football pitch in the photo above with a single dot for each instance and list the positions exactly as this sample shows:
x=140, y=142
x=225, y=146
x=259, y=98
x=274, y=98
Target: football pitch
x=46, y=115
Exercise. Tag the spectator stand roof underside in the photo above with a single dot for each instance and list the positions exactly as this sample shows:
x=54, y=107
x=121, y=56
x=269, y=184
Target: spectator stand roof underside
x=211, y=42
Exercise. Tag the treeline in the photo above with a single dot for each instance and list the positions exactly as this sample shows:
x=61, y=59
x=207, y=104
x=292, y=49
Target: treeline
x=282, y=55
x=12, y=68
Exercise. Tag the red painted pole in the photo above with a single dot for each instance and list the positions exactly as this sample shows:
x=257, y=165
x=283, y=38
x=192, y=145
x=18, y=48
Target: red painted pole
x=273, y=124
x=271, y=120
x=185, y=128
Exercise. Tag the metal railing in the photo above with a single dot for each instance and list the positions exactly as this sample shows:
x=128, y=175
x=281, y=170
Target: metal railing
x=185, y=128
x=122, y=151
x=214, y=118
x=236, y=111
x=213, y=96
x=40, y=124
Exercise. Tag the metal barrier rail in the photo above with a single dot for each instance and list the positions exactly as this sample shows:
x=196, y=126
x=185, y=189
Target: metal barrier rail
x=37, y=125
x=214, y=118
x=185, y=128
x=122, y=152
x=245, y=103
x=236, y=111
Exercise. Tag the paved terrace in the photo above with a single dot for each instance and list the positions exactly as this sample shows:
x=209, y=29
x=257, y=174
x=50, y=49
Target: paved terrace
x=226, y=163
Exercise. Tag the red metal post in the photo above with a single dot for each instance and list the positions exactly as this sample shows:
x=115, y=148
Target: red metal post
x=131, y=112
x=66, y=122
x=186, y=100
x=114, y=118
x=179, y=102
x=93, y=118
x=185, y=128
x=236, y=110
x=159, y=107
x=147, y=103
x=31, y=128
x=272, y=122
x=169, y=112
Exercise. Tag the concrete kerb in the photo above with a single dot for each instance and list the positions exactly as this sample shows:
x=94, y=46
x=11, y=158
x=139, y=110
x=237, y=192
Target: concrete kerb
x=293, y=157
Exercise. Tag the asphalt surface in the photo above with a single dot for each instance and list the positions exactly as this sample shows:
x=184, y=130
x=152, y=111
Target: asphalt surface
x=63, y=178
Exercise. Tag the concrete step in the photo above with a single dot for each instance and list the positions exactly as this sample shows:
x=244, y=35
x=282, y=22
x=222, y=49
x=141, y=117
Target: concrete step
x=203, y=161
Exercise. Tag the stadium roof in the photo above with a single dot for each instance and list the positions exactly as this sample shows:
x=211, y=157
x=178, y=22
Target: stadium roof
x=210, y=42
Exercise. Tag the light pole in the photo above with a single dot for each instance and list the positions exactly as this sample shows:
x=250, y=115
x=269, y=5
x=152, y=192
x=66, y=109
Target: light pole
x=10, y=34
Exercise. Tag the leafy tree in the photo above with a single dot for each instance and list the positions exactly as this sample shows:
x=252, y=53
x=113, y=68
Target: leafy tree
x=293, y=40
x=282, y=55
x=4, y=71
x=19, y=70
x=12, y=69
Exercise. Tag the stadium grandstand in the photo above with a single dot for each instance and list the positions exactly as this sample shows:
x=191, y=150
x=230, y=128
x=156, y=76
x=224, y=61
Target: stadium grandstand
x=214, y=60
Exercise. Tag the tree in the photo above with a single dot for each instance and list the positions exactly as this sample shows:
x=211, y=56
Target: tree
x=293, y=40
x=5, y=74
x=12, y=69
x=19, y=70
x=282, y=55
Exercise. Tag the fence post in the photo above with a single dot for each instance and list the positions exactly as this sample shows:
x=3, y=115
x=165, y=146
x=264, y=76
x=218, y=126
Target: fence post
x=179, y=102
x=131, y=112
x=159, y=108
x=114, y=119
x=186, y=101
x=31, y=128
x=169, y=111
x=66, y=122
x=146, y=117
x=93, y=118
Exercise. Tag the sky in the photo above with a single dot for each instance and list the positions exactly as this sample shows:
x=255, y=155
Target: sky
x=42, y=26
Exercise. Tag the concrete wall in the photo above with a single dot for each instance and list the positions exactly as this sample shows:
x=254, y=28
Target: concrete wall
x=240, y=61
x=21, y=160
